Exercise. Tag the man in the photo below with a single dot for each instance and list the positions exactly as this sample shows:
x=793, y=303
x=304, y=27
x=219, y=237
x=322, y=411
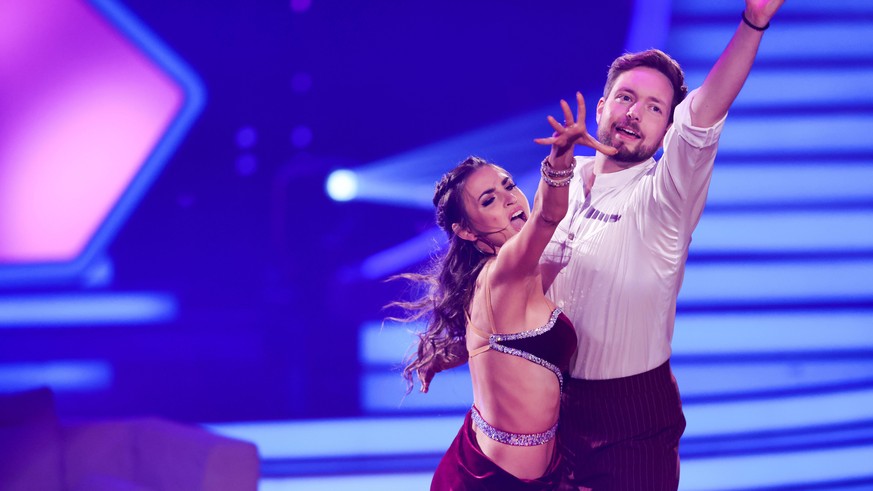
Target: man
x=616, y=263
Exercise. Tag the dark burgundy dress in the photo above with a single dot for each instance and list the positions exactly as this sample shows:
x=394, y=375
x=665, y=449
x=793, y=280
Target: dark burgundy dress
x=464, y=466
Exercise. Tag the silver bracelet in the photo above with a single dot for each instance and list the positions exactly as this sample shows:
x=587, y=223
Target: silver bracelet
x=547, y=169
x=564, y=181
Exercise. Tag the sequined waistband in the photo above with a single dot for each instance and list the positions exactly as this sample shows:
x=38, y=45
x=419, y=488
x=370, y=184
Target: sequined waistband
x=514, y=439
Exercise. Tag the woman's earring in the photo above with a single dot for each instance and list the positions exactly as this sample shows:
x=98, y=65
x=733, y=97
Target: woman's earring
x=493, y=250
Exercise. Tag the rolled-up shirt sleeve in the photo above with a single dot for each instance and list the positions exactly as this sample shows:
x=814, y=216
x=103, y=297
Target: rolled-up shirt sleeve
x=684, y=171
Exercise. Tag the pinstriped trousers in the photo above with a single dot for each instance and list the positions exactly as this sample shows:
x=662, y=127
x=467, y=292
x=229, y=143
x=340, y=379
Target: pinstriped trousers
x=622, y=434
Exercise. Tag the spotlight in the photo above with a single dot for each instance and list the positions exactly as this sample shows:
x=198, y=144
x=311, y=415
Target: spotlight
x=342, y=185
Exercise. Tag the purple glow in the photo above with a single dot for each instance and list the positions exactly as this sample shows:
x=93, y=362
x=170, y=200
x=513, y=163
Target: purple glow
x=301, y=136
x=301, y=82
x=246, y=137
x=246, y=164
x=80, y=110
x=300, y=5
x=185, y=200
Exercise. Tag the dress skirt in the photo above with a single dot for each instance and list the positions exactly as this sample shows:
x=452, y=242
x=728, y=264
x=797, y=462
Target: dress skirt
x=465, y=468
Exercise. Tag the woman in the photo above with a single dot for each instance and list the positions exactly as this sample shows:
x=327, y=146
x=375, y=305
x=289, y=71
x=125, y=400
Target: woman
x=486, y=304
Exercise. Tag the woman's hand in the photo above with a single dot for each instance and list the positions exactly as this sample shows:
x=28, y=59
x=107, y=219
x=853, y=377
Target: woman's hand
x=760, y=12
x=572, y=132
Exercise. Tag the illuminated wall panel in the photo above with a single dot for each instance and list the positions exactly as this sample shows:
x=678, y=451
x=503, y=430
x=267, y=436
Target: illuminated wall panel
x=90, y=106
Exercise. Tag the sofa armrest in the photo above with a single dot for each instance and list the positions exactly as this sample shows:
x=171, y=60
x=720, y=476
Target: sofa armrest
x=161, y=455
x=100, y=448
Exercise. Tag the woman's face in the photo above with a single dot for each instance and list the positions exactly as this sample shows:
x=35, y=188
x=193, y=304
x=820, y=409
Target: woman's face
x=495, y=207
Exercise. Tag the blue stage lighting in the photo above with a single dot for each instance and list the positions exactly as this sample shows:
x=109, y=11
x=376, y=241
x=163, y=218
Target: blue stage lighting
x=92, y=309
x=62, y=375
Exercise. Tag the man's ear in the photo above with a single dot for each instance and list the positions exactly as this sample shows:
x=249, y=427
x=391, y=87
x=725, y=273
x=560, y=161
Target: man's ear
x=599, y=109
x=463, y=232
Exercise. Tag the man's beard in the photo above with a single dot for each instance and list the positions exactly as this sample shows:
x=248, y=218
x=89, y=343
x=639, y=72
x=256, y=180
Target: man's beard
x=643, y=153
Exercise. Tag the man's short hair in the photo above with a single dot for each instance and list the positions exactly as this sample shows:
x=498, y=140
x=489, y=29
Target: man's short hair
x=653, y=58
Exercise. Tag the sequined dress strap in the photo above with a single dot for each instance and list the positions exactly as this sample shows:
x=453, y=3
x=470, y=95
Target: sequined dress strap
x=514, y=439
x=495, y=340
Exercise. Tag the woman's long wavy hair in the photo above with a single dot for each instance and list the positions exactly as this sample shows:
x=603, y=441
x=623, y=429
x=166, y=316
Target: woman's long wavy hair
x=449, y=284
